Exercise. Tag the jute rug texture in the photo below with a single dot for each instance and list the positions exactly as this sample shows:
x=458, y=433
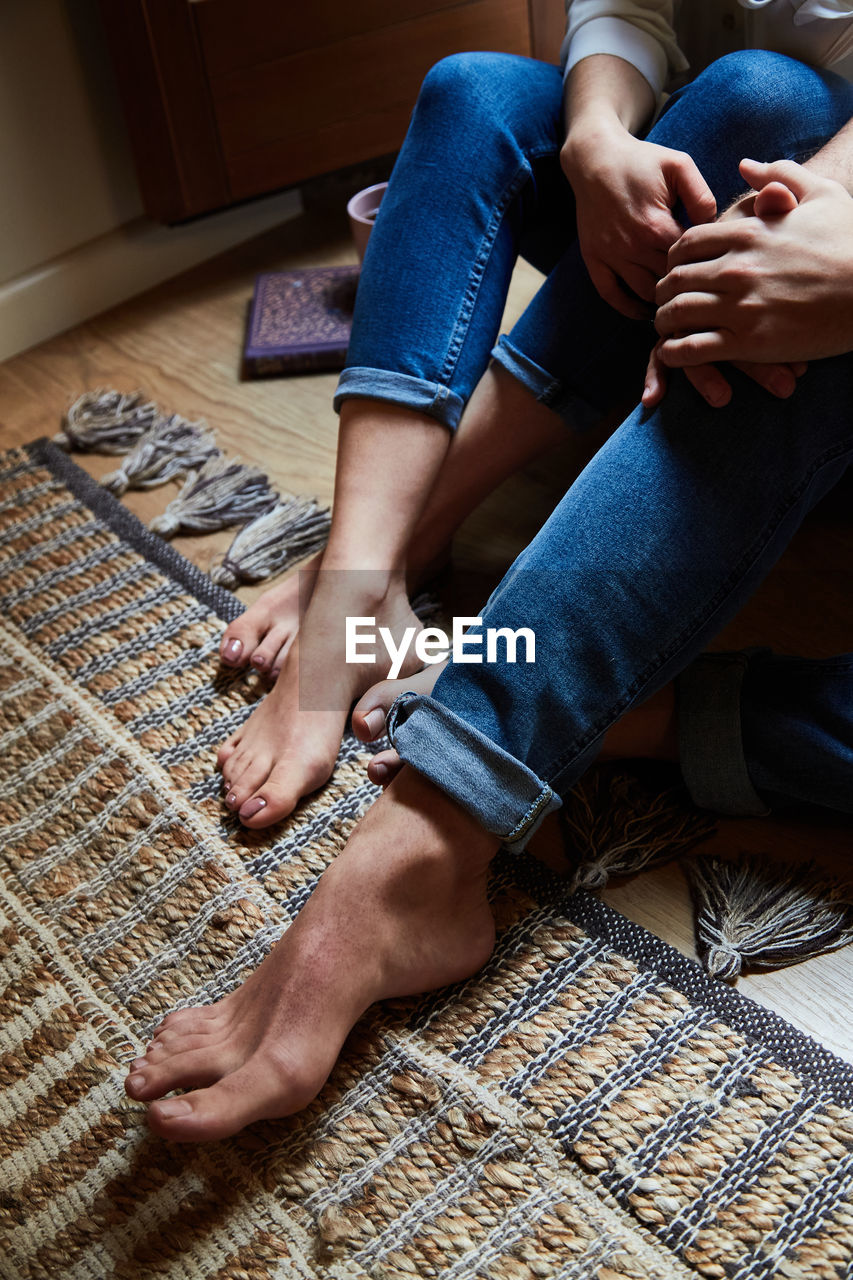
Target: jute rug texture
x=589, y=1105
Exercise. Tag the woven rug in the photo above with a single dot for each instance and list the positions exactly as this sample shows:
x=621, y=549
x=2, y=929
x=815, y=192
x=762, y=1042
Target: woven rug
x=589, y=1105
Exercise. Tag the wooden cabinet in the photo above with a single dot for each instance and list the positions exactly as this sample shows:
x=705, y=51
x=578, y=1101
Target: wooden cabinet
x=229, y=99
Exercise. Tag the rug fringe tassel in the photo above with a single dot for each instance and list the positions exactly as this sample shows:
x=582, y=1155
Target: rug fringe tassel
x=220, y=494
x=294, y=529
x=106, y=421
x=758, y=913
x=615, y=826
x=172, y=447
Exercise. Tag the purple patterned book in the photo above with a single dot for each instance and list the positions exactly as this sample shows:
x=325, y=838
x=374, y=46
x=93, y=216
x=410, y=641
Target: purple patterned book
x=300, y=321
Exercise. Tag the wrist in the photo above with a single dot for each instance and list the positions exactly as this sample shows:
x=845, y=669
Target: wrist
x=590, y=139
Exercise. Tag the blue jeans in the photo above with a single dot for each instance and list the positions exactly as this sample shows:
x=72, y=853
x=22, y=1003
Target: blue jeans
x=676, y=520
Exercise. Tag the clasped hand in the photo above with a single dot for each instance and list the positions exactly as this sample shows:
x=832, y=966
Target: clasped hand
x=767, y=287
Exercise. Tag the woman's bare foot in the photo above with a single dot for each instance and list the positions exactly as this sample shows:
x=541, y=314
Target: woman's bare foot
x=401, y=910
x=288, y=746
x=263, y=634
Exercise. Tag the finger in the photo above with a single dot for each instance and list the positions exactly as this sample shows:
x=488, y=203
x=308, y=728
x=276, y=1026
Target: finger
x=801, y=182
x=642, y=280
x=654, y=387
x=689, y=313
x=774, y=201
x=694, y=277
x=710, y=383
x=607, y=284
x=695, y=348
x=693, y=191
x=705, y=244
x=778, y=379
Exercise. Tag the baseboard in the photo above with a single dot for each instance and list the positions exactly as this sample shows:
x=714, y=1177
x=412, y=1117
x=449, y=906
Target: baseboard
x=124, y=262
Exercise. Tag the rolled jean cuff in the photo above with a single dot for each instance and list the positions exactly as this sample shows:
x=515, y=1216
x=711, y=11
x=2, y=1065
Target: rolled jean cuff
x=710, y=740
x=402, y=389
x=502, y=794
x=575, y=411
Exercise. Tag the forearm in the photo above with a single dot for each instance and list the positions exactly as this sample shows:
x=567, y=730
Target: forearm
x=603, y=93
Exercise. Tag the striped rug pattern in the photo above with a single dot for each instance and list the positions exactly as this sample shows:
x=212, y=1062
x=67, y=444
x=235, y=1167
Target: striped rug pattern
x=587, y=1106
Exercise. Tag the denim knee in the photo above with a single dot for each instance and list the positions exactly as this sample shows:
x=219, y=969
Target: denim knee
x=480, y=94
x=769, y=97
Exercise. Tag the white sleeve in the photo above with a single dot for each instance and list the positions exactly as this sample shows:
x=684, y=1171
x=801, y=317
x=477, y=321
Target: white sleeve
x=640, y=31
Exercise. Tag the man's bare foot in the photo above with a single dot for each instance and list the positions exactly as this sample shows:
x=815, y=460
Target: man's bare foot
x=371, y=710
x=648, y=731
x=401, y=910
x=288, y=746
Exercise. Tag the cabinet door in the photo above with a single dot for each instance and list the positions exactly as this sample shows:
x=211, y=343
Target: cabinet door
x=228, y=99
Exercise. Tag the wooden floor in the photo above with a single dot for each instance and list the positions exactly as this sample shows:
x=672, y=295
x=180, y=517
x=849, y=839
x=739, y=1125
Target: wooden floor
x=181, y=342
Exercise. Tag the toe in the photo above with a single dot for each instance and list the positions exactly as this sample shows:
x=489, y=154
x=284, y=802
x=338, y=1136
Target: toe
x=384, y=767
x=368, y=717
x=188, y=1021
x=239, y=639
x=228, y=748
x=193, y=1069
x=265, y=654
x=282, y=791
x=254, y=1092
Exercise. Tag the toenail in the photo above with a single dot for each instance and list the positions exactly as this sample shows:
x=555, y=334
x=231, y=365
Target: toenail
x=174, y=1107
x=254, y=806
x=231, y=799
x=137, y=1064
x=375, y=721
x=137, y=1082
x=259, y=661
x=380, y=772
x=233, y=649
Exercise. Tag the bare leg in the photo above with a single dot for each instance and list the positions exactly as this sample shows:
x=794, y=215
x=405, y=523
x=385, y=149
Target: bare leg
x=388, y=465
x=502, y=429
x=401, y=910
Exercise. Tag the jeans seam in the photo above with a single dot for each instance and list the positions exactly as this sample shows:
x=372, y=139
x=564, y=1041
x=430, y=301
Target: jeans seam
x=475, y=280
x=681, y=640
x=529, y=816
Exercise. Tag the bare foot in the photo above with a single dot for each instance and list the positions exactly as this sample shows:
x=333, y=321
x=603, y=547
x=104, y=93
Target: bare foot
x=264, y=633
x=401, y=910
x=648, y=731
x=370, y=712
x=262, y=636
x=288, y=746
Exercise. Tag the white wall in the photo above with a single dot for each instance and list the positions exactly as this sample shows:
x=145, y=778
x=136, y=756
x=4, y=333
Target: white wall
x=73, y=239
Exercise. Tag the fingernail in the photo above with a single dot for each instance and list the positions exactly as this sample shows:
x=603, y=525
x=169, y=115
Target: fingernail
x=231, y=799
x=375, y=721
x=259, y=661
x=254, y=806
x=174, y=1107
x=137, y=1082
x=233, y=649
